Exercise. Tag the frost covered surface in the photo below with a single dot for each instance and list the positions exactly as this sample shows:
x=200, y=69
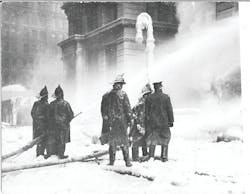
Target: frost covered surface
x=14, y=91
x=196, y=164
x=14, y=88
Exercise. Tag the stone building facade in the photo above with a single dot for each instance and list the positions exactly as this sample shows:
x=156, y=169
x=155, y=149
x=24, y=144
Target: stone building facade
x=102, y=37
x=30, y=33
x=101, y=40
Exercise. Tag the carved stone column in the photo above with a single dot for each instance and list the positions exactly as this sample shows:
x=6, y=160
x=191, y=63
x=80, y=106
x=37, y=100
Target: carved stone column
x=81, y=69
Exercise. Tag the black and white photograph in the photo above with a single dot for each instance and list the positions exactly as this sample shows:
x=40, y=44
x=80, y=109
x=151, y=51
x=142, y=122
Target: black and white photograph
x=113, y=97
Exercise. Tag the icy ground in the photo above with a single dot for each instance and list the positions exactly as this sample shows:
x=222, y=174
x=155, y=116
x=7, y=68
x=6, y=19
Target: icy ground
x=197, y=165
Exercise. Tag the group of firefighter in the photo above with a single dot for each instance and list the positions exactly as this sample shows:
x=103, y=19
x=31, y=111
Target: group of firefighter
x=149, y=122
x=52, y=122
x=146, y=125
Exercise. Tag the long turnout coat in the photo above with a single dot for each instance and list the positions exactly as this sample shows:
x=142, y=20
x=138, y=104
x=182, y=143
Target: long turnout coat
x=40, y=116
x=60, y=114
x=159, y=117
x=104, y=112
x=139, y=120
x=119, y=116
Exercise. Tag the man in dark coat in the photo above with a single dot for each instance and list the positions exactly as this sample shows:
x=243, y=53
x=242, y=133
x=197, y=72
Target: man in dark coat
x=119, y=117
x=105, y=121
x=40, y=118
x=159, y=119
x=60, y=114
x=138, y=129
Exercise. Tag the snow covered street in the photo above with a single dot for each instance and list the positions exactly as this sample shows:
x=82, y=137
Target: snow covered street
x=196, y=165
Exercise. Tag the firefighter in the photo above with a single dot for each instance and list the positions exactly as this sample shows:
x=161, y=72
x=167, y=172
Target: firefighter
x=119, y=117
x=60, y=114
x=40, y=118
x=138, y=129
x=159, y=119
x=105, y=121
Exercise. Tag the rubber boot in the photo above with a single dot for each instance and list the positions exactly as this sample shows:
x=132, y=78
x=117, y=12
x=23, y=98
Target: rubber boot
x=111, y=156
x=144, y=151
x=152, y=151
x=61, y=150
x=125, y=152
x=164, y=153
x=135, y=153
x=40, y=149
x=50, y=149
x=63, y=157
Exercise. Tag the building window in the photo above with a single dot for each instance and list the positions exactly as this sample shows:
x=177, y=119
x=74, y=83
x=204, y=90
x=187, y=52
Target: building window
x=92, y=16
x=42, y=19
x=13, y=46
x=222, y=6
x=167, y=11
x=25, y=18
x=225, y=9
x=43, y=5
x=26, y=4
x=110, y=55
x=26, y=48
x=110, y=12
x=34, y=48
x=151, y=9
x=54, y=6
x=34, y=35
x=26, y=35
x=162, y=11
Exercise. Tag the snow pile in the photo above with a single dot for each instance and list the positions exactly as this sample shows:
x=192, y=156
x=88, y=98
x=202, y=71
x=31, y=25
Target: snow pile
x=14, y=88
x=14, y=91
x=227, y=86
x=17, y=103
x=209, y=123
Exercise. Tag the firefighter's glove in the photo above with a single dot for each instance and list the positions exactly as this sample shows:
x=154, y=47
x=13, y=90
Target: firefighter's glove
x=171, y=124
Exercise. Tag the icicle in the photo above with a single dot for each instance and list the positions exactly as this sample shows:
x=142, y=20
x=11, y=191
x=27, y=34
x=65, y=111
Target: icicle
x=144, y=21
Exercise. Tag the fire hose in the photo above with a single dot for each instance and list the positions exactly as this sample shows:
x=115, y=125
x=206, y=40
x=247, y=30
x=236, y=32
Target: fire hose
x=29, y=145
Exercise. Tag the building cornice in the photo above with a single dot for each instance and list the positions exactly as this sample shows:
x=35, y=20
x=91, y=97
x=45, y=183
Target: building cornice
x=112, y=25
